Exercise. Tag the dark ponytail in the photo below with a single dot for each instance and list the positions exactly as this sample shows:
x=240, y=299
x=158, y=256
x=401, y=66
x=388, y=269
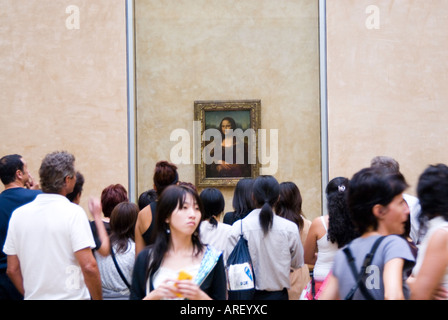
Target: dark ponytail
x=213, y=202
x=266, y=191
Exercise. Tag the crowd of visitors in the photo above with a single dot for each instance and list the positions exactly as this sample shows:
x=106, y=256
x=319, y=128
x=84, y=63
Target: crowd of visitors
x=376, y=242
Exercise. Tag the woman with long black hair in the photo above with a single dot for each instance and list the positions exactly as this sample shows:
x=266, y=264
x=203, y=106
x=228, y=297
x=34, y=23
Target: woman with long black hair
x=178, y=265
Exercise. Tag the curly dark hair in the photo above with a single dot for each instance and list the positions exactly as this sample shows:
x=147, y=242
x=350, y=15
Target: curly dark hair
x=340, y=226
x=432, y=191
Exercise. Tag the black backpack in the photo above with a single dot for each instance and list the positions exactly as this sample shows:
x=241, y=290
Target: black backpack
x=239, y=270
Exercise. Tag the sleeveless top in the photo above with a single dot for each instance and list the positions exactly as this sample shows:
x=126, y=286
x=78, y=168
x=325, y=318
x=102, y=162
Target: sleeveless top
x=326, y=251
x=147, y=234
x=433, y=225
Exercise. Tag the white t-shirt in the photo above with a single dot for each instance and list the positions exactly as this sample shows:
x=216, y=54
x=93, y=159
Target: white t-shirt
x=217, y=236
x=434, y=224
x=44, y=235
x=414, y=208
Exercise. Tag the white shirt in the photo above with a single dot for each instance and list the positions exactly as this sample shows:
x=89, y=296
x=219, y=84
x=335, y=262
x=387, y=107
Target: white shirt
x=326, y=250
x=434, y=224
x=44, y=235
x=274, y=254
x=414, y=209
x=163, y=274
x=217, y=236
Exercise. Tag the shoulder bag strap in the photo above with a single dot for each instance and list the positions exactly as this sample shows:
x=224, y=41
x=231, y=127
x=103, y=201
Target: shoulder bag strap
x=313, y=285
x=118, y=269
x=360, y=276
x=247, y=246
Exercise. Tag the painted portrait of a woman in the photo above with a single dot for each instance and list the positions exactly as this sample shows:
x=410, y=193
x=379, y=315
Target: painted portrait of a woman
x=234, y=160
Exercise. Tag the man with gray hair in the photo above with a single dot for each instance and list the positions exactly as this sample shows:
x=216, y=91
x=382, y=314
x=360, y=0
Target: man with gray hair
x=49, y=241
x=391, y=165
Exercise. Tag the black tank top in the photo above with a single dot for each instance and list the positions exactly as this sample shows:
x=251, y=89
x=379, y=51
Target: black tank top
x=147, y=234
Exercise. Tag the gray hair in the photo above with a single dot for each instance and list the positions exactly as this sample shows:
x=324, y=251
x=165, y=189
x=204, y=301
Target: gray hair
x=385, y=163
x=54, y=169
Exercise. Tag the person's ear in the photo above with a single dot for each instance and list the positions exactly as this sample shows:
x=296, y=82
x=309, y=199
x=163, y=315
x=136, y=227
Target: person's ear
x=19, y=175
x=379, y=210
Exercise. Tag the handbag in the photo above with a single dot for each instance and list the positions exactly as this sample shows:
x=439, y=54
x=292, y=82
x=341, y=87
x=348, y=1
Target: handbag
x=118, y=269
x=311, y=291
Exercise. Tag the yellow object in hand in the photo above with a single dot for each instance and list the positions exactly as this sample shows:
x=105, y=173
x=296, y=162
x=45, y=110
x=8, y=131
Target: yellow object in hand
x=183, y=276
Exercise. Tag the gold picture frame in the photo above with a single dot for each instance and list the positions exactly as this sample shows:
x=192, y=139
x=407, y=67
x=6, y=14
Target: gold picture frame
x=242, y=162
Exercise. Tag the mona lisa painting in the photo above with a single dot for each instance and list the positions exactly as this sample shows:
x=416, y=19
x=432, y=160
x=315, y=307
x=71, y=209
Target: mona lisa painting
x=228, y=141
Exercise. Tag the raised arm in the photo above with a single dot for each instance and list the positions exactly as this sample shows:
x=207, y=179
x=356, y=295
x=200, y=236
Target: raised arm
x=96, y=211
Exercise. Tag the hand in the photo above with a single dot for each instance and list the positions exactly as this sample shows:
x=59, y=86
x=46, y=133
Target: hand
x=30, y=184
x=440, y=293
x=191, y=291
x=95, y=207
x=165, y=290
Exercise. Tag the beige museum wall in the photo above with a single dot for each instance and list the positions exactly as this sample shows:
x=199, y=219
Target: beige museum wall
x=230, y=50
x=65, y=89
x=387, y=87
